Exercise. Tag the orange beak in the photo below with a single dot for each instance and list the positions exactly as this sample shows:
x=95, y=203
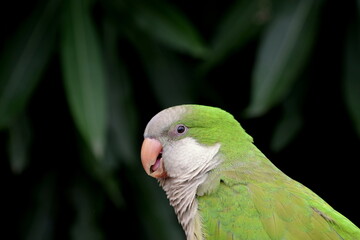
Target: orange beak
x=151, y=158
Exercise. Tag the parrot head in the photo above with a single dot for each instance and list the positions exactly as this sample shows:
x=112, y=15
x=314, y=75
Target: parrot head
x=181, y=140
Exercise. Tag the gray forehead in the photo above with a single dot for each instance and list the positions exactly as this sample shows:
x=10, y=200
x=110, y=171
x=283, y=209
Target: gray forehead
x=163, y=120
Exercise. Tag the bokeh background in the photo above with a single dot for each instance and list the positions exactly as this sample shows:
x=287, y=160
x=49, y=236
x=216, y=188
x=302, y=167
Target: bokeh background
x=79, y=80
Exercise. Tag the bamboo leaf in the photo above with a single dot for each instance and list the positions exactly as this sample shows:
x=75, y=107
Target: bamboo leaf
x=241, y=23
x=282, y=54
x=103, y=172
x=122, y=140
x=19, y=144
x=24, y=60
x=286, y=130
x=88, y=207
x=168, y=25
x=41, y=217
x=84, y=76
x=352, y=74
x=169, y=78
x=291, y=120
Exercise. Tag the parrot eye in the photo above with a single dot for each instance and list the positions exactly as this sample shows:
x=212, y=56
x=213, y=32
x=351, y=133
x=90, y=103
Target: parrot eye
x=180, y=129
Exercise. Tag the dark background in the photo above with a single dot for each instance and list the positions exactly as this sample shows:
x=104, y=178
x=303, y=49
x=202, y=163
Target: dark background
x=142, y=56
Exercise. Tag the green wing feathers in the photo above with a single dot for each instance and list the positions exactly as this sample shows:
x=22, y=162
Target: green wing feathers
x=292, y=211
x=269, y=206
x=228, y=214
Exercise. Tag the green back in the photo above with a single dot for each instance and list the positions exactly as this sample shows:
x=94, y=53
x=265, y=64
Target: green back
x=257, y=201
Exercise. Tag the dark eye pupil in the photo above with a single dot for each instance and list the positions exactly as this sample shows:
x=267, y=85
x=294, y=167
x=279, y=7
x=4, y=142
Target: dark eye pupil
x=181, y=129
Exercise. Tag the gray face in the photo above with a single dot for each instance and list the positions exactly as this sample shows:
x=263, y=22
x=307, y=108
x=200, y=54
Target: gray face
x=181, y=157
x=163, y=120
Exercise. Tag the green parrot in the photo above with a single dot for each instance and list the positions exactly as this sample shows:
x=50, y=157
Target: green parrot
x=222, y=187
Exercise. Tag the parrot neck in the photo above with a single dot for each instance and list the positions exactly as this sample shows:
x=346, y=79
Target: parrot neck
x=181, y=193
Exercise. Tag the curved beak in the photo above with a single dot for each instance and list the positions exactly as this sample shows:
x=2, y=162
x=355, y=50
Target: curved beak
x=151, y=158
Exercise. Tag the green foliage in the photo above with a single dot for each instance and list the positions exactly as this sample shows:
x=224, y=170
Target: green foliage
x=352, y=72
x=84, y=74
x=24, y=60
x=80, y=79
x=282, y=52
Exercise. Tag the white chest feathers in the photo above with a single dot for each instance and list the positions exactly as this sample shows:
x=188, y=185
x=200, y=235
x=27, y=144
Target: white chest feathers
x=187, y=164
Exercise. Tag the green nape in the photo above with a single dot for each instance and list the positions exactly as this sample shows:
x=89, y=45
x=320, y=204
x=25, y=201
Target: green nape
x=211, y=125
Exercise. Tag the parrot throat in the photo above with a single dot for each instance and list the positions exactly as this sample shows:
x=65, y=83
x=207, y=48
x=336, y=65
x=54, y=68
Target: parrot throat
x=181, y=192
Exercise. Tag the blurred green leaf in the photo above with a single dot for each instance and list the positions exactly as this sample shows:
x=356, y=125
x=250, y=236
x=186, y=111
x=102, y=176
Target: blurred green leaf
x=41, y=218
x=88, y=207
x=19, y=144
x=171, y=83
x=121, y=106
x=24, y=60
x=291, y=120
x=352, y=74
x=168, y=25
x=241, y=23
x=104, y=173
x=285, y=131
x=169, y=79
x=282, y=54
x=84, y=74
